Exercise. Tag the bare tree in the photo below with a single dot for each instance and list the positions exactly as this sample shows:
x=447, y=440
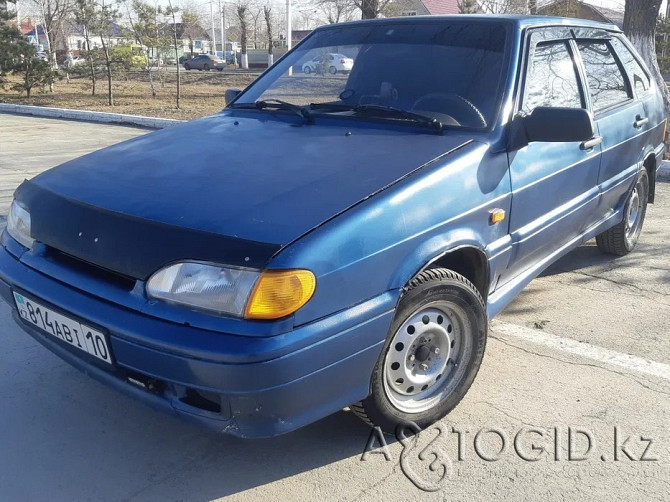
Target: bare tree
x=504, y=6
x=565, y=8
x=106, y=17
x=468, y=6
x=54, y=15
x=84, y=16
x=337, y=11
x=370, y=9
x=639, y=24
x=171, y=11
x=150, y=35
x=191, y=25
x=256, y=18
x=267, y=14
x=241, y=11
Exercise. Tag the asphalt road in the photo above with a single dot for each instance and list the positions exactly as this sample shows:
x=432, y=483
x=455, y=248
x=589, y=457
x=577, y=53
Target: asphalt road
x=585, y=350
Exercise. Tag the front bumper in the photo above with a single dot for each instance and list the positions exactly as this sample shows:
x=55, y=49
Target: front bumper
x=287, y=385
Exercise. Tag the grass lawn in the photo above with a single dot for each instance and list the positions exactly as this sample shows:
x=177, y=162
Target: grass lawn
x=201, y=94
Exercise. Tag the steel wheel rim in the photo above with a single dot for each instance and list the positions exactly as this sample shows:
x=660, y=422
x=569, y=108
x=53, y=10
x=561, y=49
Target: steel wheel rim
x=416, y=377
x=633, y=215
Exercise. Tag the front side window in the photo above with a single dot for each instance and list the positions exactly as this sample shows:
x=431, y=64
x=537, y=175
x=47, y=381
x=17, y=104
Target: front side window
x=637, y=75
x=551, y=79
x=452, y=72
x=603, y=75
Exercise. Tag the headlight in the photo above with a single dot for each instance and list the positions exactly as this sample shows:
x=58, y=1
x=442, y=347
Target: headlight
x=239, y=292
x=18, y=224
x=219, y=289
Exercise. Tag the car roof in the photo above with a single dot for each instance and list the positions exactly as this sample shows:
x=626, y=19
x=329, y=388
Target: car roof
x=520, y=22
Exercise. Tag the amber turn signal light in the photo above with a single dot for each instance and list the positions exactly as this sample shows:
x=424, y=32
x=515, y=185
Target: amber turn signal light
x=279, y=293
x=496, y=216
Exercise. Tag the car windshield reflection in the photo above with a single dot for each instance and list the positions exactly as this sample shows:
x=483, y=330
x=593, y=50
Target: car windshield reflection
x=448, y=72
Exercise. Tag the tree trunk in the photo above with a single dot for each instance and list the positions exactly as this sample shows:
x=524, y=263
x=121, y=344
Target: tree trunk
x=639, y=24
x=369, y=9
x=108, y=64
x=90, y=59
x=244, y=31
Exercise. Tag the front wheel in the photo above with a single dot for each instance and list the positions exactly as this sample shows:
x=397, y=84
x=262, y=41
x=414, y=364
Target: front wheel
x=432, y=354
x=622, y=238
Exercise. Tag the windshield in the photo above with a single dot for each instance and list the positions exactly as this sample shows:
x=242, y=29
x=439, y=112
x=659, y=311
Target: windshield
x=445, y=70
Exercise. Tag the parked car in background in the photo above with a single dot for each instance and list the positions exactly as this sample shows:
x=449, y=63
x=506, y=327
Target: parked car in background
x=331, y=63
x=205, y=62
x=42, y=56
x=171, y=60
x=324, y=243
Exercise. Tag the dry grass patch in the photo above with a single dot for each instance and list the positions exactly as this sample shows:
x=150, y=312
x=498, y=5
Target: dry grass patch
x=202, y=94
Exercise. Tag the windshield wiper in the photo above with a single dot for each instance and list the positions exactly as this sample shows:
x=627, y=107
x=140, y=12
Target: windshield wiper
x=277, y=104
x=400, y=113
x=387, y=111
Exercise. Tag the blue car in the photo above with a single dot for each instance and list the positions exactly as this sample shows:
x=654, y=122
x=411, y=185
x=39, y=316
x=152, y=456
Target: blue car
x=340, y=240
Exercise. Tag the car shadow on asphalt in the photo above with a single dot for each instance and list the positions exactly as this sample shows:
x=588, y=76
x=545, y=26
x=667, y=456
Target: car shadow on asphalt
x=73, y=438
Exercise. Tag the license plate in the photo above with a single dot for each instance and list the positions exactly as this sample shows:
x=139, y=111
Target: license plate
x=65, y=329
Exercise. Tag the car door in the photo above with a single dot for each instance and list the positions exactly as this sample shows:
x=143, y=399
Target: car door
x=554, y=185
x=620, y=119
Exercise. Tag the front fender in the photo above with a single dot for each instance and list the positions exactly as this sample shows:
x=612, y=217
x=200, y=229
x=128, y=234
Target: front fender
x=378, y=245
x=434, y=249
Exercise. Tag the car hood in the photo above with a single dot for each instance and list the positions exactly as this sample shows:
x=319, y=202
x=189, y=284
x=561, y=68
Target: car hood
x=240, y=180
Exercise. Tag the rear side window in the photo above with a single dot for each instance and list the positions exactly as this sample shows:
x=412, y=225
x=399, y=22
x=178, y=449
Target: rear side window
x=636, y=74
x=551, y=79
x=603, y=75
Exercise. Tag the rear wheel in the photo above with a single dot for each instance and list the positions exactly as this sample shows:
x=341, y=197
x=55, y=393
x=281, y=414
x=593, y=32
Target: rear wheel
x=307, y=70
x=622, y=238
x=205, y=67
x=433, y=352
x=332, y=70
x=187, y=67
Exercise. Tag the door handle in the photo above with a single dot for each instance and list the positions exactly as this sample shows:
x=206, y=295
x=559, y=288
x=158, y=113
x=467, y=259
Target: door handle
x=589, y=144
x=640, y=121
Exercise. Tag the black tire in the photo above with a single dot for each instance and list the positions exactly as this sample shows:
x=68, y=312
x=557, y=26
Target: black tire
x=467, y=312
x=220, y=69
x=205, y=67
x=622, y=238
x=187, y=67
x=332, y=70
x=307, y=70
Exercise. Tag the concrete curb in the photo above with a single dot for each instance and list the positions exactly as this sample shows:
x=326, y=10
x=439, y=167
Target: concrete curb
x=88, y=116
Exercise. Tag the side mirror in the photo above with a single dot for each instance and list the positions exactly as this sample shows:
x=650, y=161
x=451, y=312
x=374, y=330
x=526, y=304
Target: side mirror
x=231, y=94
x=552, y=125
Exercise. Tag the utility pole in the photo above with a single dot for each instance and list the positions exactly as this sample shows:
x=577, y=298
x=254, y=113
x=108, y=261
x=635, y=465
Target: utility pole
x=222, y=18
x=211, y=14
